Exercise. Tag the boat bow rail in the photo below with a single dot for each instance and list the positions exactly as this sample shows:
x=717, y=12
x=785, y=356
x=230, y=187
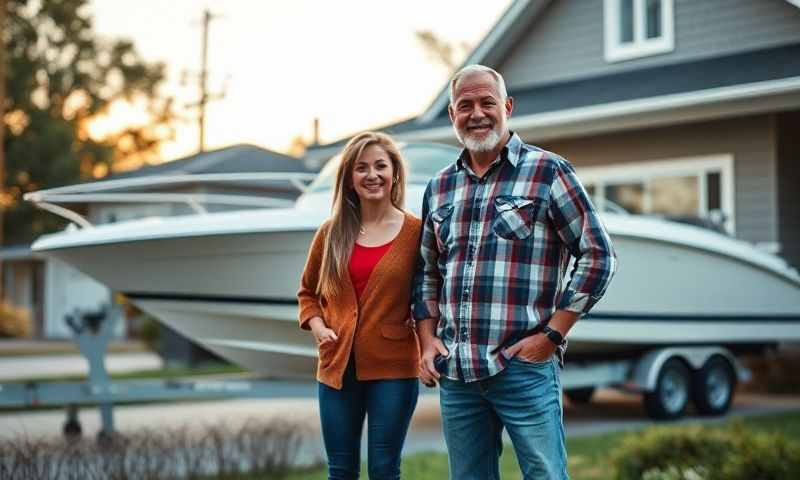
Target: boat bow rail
x=108, y=192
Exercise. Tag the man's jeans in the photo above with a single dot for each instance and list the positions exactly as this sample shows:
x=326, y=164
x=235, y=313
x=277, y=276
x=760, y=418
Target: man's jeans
x=525, y=398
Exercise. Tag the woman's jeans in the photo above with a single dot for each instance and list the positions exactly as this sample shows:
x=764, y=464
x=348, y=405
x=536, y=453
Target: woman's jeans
x=388, y=406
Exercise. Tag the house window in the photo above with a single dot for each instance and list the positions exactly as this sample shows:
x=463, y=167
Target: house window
x=638, y=28
x=695, y=190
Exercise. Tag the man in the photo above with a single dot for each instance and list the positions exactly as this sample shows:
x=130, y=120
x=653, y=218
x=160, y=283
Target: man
x=491, y=300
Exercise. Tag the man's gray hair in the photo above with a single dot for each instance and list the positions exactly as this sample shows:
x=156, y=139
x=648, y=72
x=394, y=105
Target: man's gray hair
x=475, y=68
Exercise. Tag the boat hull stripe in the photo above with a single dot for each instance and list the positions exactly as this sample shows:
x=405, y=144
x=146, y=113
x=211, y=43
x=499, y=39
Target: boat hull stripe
x=599, y=316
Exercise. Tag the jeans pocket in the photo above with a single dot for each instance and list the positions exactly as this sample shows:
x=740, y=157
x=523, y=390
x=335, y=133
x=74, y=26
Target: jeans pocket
x=541, y=363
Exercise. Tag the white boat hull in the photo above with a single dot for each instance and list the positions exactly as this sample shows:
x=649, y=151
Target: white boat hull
x=228, y=280
x=235, y=295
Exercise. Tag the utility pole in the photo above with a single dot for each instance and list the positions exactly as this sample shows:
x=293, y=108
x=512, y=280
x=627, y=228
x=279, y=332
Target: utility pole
x=205, y=97
x=3, y=7
x=204, y=80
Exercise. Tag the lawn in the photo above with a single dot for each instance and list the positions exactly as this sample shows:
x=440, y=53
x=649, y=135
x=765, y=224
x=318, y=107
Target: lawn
x=588, y=456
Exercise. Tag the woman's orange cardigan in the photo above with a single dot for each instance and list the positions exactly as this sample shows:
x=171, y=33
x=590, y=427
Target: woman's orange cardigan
x=375, y=327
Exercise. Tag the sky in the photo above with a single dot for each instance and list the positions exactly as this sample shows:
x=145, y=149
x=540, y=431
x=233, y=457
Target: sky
x=353, y=64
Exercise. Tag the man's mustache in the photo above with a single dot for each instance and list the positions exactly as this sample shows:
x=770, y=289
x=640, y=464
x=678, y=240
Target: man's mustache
x=480, y=124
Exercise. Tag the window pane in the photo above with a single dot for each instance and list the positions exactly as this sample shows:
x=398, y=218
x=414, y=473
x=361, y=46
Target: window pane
x=626, y=21
x=629, y=196
x=675, y=196
x=653, y=19
x=714, y=191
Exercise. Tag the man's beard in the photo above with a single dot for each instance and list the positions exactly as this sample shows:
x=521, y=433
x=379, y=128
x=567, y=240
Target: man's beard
x=488, y=144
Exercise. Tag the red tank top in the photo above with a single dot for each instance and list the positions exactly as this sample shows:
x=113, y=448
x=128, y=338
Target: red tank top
x=362, y=262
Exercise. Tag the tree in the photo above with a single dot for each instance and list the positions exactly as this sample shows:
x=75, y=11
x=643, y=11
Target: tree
x=297, y=147
x=441, y=51
x=2, y=133
x=61, y=77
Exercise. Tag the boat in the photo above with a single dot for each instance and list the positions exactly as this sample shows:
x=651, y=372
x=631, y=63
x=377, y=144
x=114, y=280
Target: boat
x=228, y=280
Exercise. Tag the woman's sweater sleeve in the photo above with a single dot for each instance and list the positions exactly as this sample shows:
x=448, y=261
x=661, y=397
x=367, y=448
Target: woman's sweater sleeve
x=307, y=297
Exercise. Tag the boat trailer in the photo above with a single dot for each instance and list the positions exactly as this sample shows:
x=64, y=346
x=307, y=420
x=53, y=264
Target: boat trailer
x=668, y=379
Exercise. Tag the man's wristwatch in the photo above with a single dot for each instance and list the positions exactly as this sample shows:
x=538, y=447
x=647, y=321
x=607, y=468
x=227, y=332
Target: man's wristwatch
x=553, y=335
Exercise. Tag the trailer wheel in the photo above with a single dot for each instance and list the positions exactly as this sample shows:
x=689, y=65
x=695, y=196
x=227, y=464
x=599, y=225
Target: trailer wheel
x=72, y=428
x=580, y=396
x=668, y=400
x=713, y=386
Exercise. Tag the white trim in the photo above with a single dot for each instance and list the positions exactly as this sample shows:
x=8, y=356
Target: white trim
x=564, y=118
x=685, y=166
x=769, y=247
x=477, y=55
x=616, y=51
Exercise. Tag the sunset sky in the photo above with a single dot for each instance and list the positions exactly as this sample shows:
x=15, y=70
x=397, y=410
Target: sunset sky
x=354, y=64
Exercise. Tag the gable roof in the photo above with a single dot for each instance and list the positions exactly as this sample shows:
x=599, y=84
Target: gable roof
x=233, y=159
x=770, y=71
x=497, y=44
x=500, y=39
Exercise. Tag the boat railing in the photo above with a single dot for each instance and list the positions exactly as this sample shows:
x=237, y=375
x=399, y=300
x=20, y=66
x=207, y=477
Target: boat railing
x=102, y=192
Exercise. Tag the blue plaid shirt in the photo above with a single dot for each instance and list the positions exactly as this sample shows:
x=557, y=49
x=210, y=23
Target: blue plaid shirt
x=495, y=251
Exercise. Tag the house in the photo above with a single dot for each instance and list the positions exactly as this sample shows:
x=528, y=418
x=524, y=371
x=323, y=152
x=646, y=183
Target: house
x=679, y=108
x=50, y=289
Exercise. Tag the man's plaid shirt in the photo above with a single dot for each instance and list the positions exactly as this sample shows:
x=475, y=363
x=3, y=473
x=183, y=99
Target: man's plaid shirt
x=495, y=251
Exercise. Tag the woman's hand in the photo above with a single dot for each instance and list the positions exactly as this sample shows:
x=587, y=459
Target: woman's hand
x=430, y=347
x=322, y=334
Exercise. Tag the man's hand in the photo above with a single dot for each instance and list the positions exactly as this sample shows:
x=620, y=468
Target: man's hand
x=322, y=334
x=536, y=348
x=430, y=346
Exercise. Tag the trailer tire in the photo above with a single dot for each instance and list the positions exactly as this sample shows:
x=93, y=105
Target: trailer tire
x=672, y=391
x=580, y=396
x=72, y=429
x=713, y=386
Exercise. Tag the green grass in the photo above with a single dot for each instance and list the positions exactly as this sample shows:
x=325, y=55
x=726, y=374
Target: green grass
x=588, y=456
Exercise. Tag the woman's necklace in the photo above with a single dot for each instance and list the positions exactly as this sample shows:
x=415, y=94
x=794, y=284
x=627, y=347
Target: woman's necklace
x=363, y=231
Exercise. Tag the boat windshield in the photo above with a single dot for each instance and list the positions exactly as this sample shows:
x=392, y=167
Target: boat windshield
x=423, y=160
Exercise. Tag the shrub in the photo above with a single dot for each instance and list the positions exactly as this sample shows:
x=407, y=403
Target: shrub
x=699, y=453
x=257, y=449
x=14, y=321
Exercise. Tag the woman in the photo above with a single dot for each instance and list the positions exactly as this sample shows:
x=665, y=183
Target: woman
x=354, y=297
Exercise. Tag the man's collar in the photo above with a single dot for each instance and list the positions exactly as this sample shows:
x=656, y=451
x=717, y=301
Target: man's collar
x=512, y=149
x=509, y=152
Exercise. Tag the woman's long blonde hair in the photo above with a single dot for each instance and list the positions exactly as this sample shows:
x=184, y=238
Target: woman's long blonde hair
x=346, y=211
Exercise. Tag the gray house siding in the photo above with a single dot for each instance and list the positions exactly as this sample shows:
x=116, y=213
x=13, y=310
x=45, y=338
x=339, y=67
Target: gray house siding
x=566, y=42
x=789, y=185
x=749, y=139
